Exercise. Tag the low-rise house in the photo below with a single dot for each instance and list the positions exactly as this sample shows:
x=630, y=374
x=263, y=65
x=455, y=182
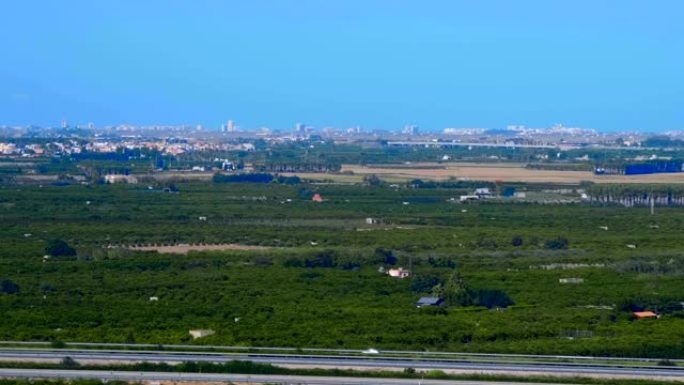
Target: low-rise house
x=399, y=273
x=466, y=198
x=372, y=221
x=644, y=314
x=483, y=192
x=317, y=198
x=117, y=178
x=429, y=301
x=199, y=333
x=571, y=280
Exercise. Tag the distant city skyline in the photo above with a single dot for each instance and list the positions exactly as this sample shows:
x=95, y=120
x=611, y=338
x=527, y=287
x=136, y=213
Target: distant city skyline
x=411, y=129
x=609, y=65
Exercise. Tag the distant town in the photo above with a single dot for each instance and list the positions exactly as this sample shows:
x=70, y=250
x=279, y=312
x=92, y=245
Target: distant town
x=36, y=141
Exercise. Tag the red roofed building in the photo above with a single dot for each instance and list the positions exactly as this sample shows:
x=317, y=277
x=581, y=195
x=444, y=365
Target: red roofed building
x=644, y=314
x=317, y=198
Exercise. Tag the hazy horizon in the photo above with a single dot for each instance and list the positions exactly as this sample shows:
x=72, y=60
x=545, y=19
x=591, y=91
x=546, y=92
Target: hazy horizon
x=610, y=66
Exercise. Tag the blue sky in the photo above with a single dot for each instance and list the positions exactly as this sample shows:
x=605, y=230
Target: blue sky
x=610, y=65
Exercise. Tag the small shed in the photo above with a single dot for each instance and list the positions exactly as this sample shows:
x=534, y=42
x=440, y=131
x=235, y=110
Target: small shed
x=317, y=198
x=199, y=333
x=466, y=198
x=429, y=301
x=571, y=280
x=399, y=273
x=644, y=314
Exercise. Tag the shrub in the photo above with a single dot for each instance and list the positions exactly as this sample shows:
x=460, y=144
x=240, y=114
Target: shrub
x=8, y=287
x=559, y=243
x=423, y=283
x=490, y=298
x=326, y=258
x=385, y=256
x=59, y=248
x=666, y=362
x=68, y=362
x=517, y=241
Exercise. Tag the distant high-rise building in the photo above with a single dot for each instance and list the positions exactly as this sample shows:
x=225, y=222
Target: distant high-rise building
x=91, y=125
x=410, y=129
x=65, y=124
x=230, y=127
x=300, y=128
x=354, y=130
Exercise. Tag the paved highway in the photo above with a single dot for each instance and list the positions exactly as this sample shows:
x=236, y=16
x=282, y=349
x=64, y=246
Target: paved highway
x=412, y=353
x=243, y=378
x=369, y=362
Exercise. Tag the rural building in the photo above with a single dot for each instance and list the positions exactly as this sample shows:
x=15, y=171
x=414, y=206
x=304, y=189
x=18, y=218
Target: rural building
x=199, y=333
x=644, y=314
x=317, y=198
x=466, y=198
x=372, y=221
x=399, y=273
x=571, y=280
x=482, y=192
x=428, y=301
x=118, y=178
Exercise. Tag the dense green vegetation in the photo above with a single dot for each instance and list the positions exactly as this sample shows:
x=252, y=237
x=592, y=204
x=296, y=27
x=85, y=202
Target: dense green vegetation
x=498, y=266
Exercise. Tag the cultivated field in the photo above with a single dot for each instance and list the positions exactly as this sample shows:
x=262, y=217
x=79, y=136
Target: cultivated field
x=504, y=270
x=502, y=172
x=185, y=248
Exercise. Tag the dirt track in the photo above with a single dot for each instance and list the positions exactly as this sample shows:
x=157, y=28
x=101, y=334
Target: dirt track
x=184, y=249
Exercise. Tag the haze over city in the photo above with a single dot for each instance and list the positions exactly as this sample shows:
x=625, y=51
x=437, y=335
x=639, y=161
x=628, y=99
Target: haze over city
x=610, y=66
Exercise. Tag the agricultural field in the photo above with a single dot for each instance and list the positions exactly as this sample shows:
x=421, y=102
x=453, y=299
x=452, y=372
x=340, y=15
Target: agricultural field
x=514, y=277
x=506, y=172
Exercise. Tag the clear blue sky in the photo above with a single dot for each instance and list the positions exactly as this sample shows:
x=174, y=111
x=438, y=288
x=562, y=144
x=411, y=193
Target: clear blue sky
x=610, y=65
